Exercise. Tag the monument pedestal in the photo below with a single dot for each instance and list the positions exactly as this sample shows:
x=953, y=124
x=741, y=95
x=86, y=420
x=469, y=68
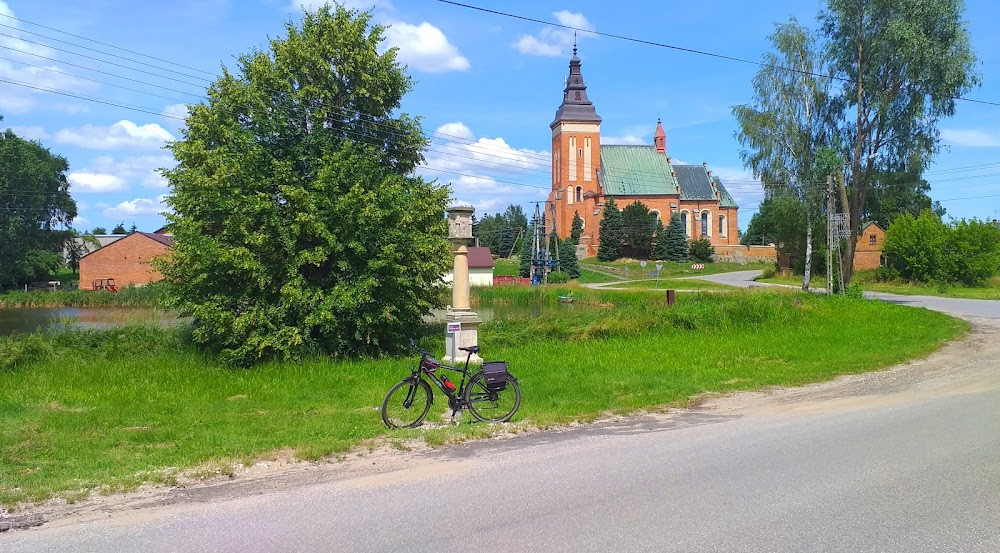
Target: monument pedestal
x=466, y=337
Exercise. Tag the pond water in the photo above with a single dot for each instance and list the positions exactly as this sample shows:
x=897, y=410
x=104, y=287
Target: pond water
x=30, y=319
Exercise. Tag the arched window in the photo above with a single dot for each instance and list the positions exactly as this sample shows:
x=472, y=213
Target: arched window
x=684, y=222
x=579, y=193
x=704, y=223
x=655, y=215
x=722, y=225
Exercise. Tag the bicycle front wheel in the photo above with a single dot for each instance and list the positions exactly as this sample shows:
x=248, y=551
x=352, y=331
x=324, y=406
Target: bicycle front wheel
x=489, y=406
x=407, y=403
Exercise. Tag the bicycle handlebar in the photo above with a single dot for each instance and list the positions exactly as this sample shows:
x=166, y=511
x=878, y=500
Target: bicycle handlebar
x=418, y=350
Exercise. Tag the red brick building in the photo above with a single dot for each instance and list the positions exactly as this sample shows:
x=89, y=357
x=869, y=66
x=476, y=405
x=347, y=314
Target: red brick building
x=126, y=260
x=868, y=250
x=585, y=173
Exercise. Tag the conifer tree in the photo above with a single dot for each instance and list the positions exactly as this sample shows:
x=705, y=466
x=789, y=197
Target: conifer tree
x=612, y=232
x=577, y=229
x=524, y=254
x=568, y=262
x=676, y=248
x=659, y=250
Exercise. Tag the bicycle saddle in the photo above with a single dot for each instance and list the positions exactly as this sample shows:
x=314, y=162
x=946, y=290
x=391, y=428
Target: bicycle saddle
x=471, y=349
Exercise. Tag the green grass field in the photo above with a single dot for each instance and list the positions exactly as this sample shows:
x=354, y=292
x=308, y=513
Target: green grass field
x=989, y=292
x=104, y=411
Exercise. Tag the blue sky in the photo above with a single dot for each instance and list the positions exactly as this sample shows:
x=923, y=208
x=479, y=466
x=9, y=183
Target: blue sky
x=487, y=88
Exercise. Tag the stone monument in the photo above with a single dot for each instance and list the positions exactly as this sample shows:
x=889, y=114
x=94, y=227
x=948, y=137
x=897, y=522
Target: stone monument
x=460, y=314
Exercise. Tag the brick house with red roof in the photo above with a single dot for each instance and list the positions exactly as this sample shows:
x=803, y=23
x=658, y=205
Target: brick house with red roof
x=126, y=260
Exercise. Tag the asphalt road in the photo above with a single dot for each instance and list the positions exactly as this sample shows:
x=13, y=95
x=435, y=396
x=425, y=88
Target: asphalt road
x=900, y=461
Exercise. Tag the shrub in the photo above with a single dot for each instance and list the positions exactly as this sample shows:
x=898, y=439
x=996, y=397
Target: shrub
x=770, y=271
x=17, y=350
x=558, y=277
x=701, y=250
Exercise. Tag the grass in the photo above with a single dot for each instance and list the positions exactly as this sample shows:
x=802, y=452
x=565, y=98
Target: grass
x=506, y=267
x=673, y=284
x=867, y=281
x=669, y=269
x=105, y=411
x=142, y=296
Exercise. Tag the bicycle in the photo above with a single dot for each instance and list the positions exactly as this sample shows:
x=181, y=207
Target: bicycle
x=492, y=394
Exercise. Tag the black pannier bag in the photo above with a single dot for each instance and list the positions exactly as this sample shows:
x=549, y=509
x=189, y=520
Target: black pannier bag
x=495, y=375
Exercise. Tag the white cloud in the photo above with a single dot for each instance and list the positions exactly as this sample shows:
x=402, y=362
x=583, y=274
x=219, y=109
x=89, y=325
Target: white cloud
x=971, y=138
x=79, y=222
x=424, y=48
x=455, y=130
x=142, y=170
x=627, y=139
x=555, y=41
x=83, y=181
x=122, y=135
x=29, y=132
x=139, y=207
x=175, y=111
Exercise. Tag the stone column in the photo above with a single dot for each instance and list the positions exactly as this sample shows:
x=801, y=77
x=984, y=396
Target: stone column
x=460, y=235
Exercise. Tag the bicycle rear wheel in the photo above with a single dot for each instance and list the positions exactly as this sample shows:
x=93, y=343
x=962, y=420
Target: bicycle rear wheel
x=489, y=406
x=407, y=403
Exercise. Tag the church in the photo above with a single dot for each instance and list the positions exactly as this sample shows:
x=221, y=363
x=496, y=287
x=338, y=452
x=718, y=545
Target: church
x=585, y=173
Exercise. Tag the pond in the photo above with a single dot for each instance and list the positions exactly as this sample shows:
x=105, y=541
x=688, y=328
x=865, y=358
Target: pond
x=30, y=319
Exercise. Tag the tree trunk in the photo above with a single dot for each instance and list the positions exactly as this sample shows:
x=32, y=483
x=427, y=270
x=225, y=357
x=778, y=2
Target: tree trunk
x=809, y=252
x=847, y=253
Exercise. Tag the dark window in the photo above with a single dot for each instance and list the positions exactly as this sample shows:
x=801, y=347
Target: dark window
x=722, y=225
x=871, y=240
x=579, y=193
x=684, y=221
x=704, y=223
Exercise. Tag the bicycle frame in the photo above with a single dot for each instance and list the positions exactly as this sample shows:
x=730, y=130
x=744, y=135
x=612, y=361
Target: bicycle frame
x=454, y=398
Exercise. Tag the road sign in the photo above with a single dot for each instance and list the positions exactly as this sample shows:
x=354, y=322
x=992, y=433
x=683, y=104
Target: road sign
x=642, y=263
x=698, y=266
x=454, y=327
x=659, y=266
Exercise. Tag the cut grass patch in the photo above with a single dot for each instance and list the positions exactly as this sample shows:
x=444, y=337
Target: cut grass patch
x=110, y=410
x=990, y=292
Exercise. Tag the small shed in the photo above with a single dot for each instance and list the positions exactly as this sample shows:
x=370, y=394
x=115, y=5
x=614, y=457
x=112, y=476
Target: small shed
x=126, y=260
x=480, y=268
x=868, y=249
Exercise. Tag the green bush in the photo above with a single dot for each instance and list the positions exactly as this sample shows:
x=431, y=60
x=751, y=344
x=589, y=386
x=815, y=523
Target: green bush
x=701, y=250
x=20, y=349
x=886, y=274
x=770, y=271
x=925, y=249
x=558, y=277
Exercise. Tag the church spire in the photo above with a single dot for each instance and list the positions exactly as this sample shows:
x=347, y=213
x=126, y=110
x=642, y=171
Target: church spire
x=660, y=138
x=575, y=105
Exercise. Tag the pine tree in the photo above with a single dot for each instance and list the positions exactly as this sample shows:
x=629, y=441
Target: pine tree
x=612, y=232
x=676, y=248
x=577, y=229
x=659, y=250
x=567, y=259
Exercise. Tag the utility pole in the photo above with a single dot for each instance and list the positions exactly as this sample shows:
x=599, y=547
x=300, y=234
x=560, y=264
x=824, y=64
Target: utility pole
x=830, y=239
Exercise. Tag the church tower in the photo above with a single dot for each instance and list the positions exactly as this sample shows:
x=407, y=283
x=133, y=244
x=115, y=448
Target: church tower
x=576, y=158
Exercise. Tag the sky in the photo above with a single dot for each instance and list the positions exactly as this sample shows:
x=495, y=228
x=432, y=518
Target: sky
x=486, y=88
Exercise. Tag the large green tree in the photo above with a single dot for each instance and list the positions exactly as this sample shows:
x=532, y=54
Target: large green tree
x=576, y=230
x=674, y=247
x=36, y=204
x=298, y=224
x=790, y=119
x=903, y=64
x=611, y=233
x=639, y=229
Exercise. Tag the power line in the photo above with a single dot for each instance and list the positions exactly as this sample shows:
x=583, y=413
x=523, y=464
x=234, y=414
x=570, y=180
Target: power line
x=103, y=44
x=54, y=70
x=103, y=61
x=101, y=72
x=672, y=47
x=105, y=102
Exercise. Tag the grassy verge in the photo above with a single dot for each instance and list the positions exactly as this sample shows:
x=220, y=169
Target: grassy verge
x=669, y=269
x=672, y=284
x=143, y=296
x=105, y=411
x=506, y=267
x=866, y=280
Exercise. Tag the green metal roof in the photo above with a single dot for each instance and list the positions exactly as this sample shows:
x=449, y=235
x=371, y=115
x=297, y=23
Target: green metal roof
x=635, y=170
x=641, y=171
